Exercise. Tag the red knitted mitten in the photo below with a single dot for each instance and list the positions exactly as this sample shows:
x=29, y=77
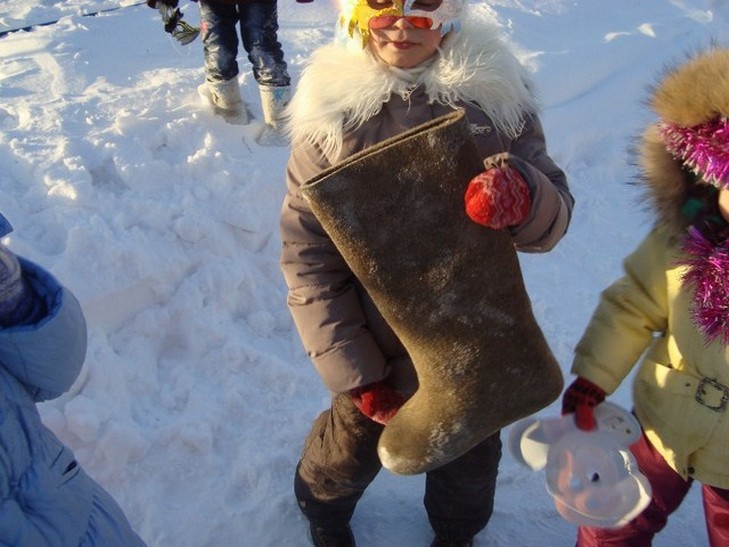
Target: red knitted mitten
x=498, y=198
x=581, y=398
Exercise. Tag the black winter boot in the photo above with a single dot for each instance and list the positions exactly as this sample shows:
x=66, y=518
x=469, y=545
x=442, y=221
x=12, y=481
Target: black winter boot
x=332, y=537
x=438, y=542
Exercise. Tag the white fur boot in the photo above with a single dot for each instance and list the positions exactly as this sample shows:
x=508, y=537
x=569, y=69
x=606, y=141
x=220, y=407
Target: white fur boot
x=224, y=97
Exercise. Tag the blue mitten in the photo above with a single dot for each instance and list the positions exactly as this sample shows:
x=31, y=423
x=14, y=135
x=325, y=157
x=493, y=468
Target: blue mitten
x=16, y=299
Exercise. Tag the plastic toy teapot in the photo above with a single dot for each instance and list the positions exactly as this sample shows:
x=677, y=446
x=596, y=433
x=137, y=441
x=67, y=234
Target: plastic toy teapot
x=591, y=475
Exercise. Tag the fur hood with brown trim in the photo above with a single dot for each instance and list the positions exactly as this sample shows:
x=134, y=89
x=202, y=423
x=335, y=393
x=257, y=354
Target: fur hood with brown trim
x=690, y=94
x=473, y=66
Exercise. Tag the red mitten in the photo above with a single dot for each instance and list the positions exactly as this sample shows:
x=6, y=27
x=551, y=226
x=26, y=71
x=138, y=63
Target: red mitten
x=498, y=198
x=377, y=401
x=581, y=398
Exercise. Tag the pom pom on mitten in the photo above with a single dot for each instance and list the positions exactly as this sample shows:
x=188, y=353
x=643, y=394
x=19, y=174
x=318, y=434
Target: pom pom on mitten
x=377, y=401
x=16, y=299
x=498, y=198
x=581, y=398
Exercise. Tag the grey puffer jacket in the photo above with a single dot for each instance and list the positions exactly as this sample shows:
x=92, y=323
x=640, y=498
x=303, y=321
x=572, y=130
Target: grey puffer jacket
x=347, y=101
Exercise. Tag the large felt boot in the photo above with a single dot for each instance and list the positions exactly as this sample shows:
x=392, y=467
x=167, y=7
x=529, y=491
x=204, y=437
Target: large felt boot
x=452, y=291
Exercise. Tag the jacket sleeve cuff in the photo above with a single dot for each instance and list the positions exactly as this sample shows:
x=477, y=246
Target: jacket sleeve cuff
x=353, y=364
x=47, y=356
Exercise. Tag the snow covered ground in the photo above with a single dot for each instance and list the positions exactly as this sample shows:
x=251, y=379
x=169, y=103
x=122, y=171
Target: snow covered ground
x=196, y=395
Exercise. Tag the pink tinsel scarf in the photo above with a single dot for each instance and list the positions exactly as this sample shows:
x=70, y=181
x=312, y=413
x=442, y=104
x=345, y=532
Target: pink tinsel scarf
x=708, y=275
x=704, y=148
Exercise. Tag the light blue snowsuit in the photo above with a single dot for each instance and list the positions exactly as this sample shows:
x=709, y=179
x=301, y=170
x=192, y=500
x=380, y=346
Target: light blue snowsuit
x=46, y=499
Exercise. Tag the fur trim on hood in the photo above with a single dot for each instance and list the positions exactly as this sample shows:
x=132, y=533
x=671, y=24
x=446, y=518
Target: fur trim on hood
x=689, y=94
x=343, y=85
x=697, y=91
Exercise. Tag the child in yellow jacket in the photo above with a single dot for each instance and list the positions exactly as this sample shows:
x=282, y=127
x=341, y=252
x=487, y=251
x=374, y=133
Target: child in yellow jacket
x=672, y=308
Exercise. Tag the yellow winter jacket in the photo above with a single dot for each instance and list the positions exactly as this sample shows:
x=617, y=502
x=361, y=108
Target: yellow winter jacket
x=681, y=390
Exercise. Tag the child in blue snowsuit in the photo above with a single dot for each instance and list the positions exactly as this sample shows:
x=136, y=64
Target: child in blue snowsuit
x=46, y=499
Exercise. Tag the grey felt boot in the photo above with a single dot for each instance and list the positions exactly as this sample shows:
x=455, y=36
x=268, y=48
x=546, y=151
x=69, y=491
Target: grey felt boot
x=225, y=100
x=274, y=100
x=452, y=291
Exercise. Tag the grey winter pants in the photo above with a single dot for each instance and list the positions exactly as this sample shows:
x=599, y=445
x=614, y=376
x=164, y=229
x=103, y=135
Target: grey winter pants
x=340, y=460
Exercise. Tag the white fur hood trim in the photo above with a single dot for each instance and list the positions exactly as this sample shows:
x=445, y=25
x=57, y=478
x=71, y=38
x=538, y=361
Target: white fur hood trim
x=343, y=86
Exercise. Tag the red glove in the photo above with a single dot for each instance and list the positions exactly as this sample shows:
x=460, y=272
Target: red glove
x=581, y=398
x=498, y=198
x=377, y=401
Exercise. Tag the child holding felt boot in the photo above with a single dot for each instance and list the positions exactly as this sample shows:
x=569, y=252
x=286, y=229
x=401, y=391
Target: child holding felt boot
x=394, y=66
x=672, y=308
x=47, y=498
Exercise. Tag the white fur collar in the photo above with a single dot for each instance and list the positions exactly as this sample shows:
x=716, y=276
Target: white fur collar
x=343, y=86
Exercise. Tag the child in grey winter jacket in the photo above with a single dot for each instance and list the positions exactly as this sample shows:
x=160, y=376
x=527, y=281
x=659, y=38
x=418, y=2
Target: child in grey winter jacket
x=394, y=66
x=46, y=498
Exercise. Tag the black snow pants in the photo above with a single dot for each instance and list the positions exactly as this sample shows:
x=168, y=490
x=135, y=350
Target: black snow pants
x=340, y=460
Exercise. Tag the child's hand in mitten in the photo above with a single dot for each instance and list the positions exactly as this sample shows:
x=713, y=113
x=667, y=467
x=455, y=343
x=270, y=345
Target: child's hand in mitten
x=498, y=198
x=377, y=401
x=581, y=398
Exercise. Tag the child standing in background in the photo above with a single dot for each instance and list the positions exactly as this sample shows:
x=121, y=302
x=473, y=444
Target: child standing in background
x=258, y=21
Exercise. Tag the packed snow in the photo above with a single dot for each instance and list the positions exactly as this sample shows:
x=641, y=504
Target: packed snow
x=196, y=395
